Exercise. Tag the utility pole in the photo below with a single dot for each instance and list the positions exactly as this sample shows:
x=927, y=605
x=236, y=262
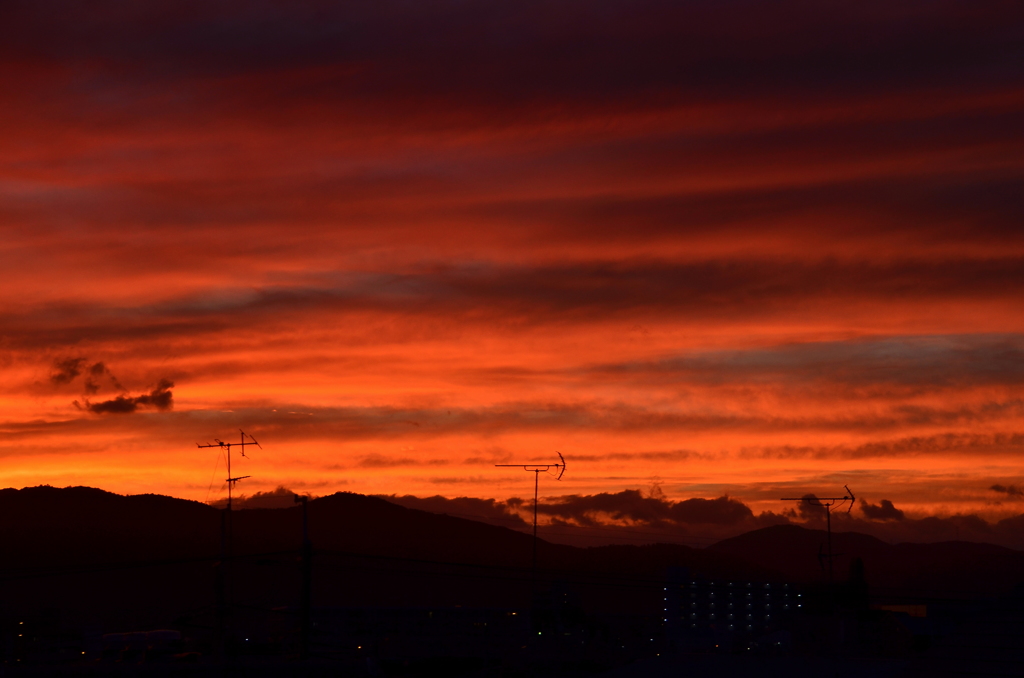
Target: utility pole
x=227, y=534
x=828, y=503
x=537, y=469
x=305, y=600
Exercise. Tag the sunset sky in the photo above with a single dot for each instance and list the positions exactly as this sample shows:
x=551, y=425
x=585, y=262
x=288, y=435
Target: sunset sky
x=701, y=248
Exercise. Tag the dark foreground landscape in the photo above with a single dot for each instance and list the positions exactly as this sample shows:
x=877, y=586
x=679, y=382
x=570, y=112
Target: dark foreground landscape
x=100, y=584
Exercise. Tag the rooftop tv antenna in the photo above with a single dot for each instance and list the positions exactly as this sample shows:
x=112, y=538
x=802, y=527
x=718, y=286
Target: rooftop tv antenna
x=227, y=447
x=537, y=470
x=223, y=583
x=828, y=503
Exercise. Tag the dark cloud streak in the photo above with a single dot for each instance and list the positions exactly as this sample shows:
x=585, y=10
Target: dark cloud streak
x=585, y=292
x=1011, y=491
x=390, y=423
x=508, y=52
x=66, y=370
x=930, y=361
x=634, y=506
x=883, y=511
x=940, y=443
x=280, y=497
x=97, y=372
x=160, y=398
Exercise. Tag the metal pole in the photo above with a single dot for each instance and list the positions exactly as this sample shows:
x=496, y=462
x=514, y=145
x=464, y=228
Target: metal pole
x=536, y=485
x=537, y=468
x=220, y=586
x=831, y=572
x=230, y=484
x=828, y=503
x=228, y=549
x=223, y=575
x=305, y=603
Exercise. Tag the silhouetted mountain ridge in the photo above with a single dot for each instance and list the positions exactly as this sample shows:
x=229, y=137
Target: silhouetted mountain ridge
x=84, y=547
x=144, y=559
x=940, y=568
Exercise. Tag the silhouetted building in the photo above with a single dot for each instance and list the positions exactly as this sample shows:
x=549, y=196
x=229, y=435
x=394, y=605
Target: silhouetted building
x=698, y=609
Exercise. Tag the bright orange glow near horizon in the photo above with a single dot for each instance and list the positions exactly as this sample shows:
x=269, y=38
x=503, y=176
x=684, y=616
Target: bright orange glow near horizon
x=697, y=255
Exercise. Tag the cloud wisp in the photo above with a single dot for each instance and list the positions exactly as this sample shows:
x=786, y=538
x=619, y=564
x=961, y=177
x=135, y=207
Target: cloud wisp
x=638, y=517
x=882, y=511
x=66, y=370
x=1011, y=491
x=279, y=497
x=161, y=398
x=592, y=293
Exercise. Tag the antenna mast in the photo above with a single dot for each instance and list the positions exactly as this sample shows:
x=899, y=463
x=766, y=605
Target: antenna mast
x=828, y=503
x=227, y=447
x=537, y=470
x=223, y=584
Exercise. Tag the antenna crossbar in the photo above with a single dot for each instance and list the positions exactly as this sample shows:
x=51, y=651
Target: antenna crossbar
x=827, y=503
x=537, y=469
x=531, y=467
x=540, y=468
x=244, y=440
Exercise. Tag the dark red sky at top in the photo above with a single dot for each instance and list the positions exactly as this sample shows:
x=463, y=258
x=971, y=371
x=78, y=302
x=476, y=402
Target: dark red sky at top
x=716, y=248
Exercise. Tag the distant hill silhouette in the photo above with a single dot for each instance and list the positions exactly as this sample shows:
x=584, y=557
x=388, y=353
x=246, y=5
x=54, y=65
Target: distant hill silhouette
x=52, y=527
x=938, y=569
x=147, y=561
x=141, y=560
